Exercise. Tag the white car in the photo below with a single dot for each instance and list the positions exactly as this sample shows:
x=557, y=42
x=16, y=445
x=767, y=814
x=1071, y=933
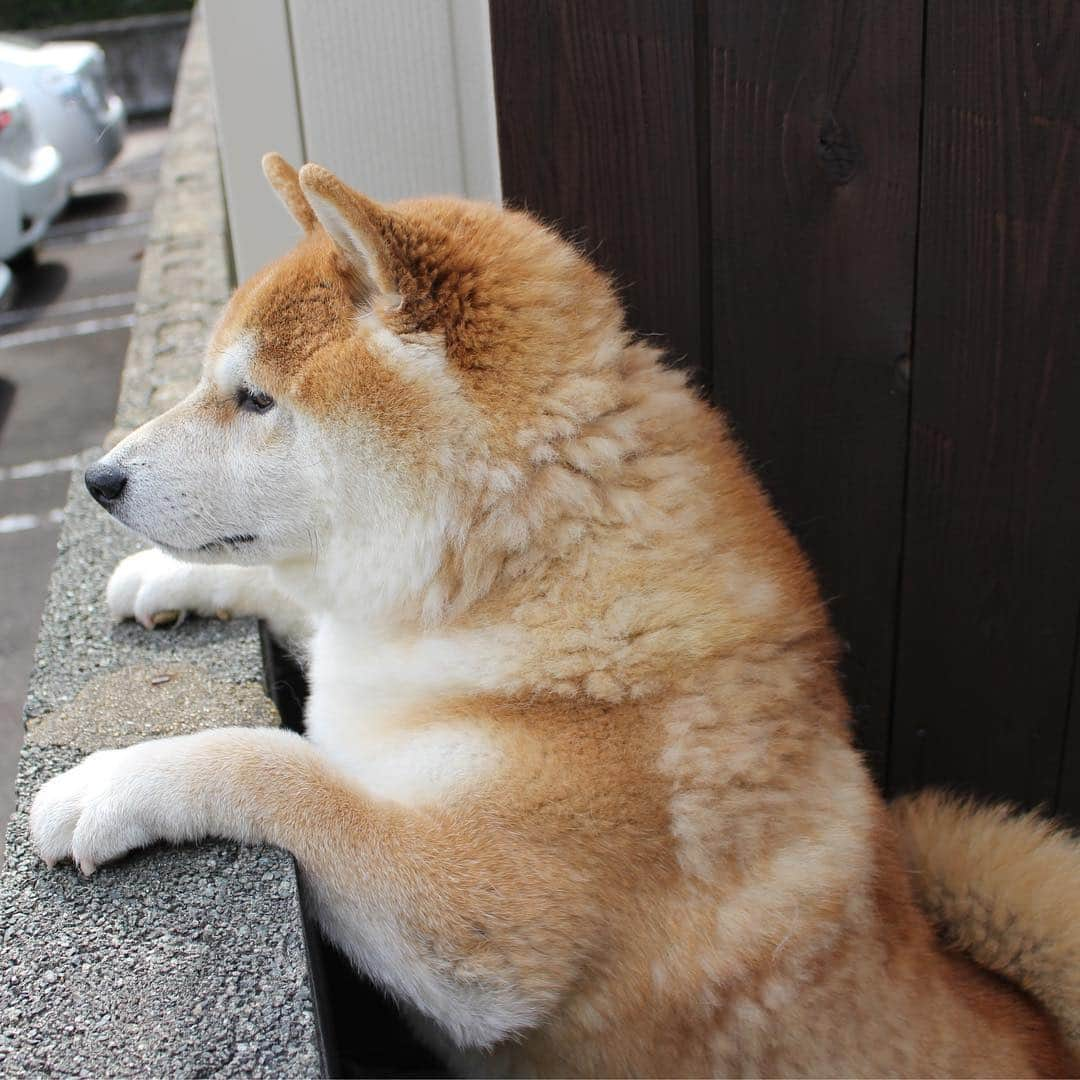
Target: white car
x=32, y=187
x=65, y=84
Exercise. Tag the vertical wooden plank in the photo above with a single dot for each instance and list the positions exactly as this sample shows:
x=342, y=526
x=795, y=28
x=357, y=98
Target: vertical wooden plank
x=991, y=584
x=1068, y=794
x=814, y=162
x=596, y=112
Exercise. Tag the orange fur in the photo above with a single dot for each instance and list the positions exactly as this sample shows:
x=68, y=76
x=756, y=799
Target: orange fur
x=685, y=851
x=680, y=866
x=1001, y=886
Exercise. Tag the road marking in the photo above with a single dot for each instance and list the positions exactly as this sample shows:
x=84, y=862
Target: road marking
x=137, y=168
x=67, y=307
x=22, y=522
x=55, y=333
x=97, y=224
x=31, y=469
x=99, y=236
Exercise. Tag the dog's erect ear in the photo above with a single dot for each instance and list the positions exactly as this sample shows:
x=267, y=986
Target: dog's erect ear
x=360, y=227
x=284, y=180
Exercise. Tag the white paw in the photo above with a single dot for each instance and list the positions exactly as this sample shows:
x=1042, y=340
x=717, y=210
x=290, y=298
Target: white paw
x=155, y=589
x=91, y=813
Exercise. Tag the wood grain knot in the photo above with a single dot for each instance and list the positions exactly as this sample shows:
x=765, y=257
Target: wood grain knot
x=837, y=151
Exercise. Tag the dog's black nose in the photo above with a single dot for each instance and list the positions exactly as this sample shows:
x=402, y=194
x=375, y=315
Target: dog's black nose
x=105, y=482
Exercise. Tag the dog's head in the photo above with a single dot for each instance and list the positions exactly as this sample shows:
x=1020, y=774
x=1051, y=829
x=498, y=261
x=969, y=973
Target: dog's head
x=368, y=395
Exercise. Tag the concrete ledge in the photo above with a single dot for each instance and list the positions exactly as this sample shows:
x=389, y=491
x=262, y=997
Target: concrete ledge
x=142, y=53
x=175, y=962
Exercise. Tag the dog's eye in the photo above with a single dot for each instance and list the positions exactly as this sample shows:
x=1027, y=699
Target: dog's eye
x=253, y=400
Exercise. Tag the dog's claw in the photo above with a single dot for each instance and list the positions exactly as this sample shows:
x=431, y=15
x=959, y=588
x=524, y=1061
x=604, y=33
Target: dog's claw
x=164, y=618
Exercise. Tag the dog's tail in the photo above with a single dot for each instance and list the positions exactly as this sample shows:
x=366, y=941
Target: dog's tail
x=1004, y=887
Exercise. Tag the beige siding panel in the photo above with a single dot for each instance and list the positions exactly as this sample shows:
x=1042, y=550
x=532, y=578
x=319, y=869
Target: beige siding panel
x=397, y=96
x=471, y=28
x=256, y=110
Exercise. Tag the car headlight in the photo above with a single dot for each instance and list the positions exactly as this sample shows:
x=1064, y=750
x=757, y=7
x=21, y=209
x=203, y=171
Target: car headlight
x=65, y=85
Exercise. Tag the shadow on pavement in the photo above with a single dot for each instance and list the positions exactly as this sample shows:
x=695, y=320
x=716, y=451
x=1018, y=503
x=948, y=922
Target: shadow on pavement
x=7, y=396
x=38, y=284
x=95, y=204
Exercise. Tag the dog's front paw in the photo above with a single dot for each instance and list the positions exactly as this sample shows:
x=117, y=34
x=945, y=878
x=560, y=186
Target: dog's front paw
x=91, y=813
x=155, y=589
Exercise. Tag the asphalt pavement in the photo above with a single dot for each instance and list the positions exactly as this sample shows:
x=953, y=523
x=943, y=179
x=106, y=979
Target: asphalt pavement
x=62, y=350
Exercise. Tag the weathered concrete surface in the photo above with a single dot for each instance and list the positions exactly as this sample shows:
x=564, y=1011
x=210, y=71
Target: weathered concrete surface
x=79, y=641
x=148, y=701
x=174, y=962
x=143, y=53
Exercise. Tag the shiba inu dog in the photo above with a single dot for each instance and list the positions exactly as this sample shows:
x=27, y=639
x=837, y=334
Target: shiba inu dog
x=578, y=786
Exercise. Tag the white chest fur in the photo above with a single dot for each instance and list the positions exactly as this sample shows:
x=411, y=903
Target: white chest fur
x=367, y=693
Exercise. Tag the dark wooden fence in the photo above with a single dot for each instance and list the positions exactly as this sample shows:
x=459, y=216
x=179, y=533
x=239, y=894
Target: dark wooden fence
x=859, y=221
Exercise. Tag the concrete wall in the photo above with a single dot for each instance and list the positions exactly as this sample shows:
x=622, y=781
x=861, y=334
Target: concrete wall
x=175, y=961
x=396, y=96
x=143, y=53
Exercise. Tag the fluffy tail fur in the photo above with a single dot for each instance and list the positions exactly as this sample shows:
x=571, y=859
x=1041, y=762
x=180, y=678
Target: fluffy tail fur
x=1004, y=887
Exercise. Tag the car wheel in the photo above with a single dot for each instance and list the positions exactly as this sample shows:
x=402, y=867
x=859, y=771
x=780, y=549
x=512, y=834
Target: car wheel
x=24, y=261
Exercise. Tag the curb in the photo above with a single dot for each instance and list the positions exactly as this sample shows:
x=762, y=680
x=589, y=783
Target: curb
x=175, y=961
